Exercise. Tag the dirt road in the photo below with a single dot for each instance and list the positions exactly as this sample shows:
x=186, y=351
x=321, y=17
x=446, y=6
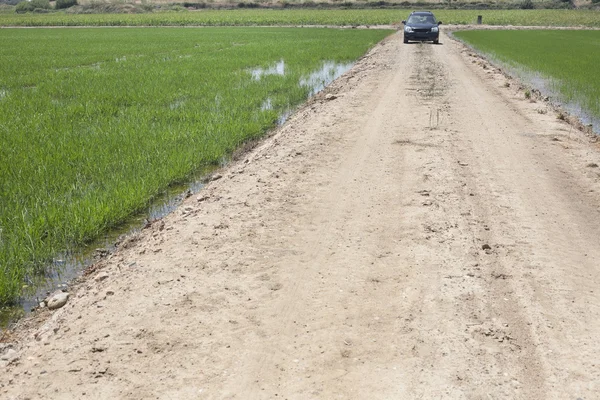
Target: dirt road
x=427, y=234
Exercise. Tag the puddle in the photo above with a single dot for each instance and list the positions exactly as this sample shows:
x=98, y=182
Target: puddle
x=94, y=66
x=315, y=81
x=69, y=265
x=329, y=71
x=283, y=116
x=266, y=105
x=177, y=104
x=276, y=69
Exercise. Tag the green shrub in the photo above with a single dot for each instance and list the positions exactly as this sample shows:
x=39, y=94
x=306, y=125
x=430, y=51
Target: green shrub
x=33, y=5
x=526, y=5
x=188, y=4
x=23, y=7
x=65, y=4
x=42, y=4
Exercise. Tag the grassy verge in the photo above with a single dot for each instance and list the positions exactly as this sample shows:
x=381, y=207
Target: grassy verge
x=565, y=59
x=255, y=17
x=94, y=123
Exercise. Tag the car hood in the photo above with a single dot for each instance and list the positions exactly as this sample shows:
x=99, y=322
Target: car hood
x=421, y=26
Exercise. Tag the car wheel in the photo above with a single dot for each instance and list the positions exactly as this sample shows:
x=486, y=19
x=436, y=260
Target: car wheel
x=405, y=40
x=436, y=41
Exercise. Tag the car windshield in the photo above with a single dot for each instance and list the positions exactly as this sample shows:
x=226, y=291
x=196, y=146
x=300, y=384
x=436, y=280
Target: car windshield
x=421, y=19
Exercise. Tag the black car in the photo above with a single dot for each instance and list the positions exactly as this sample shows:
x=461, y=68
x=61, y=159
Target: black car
x=422, y=26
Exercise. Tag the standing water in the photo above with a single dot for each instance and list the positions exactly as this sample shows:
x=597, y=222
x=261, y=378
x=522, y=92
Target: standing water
x=69, y=265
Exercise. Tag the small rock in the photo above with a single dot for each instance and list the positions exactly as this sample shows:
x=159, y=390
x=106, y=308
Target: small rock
x=110, y=292
x=216, y=177
x=57, y=300
x=330, y=96
x=592, y=165
x=486, y=247
x=200, y=199
x=9, y=356
x=101, y=253
x=100, y=277
x=98, y=349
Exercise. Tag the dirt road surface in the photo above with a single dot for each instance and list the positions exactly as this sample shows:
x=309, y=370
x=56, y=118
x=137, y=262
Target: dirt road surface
x=428, y=233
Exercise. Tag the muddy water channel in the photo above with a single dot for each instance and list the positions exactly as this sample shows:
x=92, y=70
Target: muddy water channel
x=68, y=266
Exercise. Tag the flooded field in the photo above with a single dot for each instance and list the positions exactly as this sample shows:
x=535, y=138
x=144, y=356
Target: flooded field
x=63, y=265
x=557, y=63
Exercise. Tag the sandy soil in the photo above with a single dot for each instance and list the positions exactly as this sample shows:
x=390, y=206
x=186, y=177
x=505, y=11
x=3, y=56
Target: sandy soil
x=428, y=233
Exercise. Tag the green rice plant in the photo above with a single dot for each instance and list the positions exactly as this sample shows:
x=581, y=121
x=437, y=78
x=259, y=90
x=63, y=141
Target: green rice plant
x=564, y=60
x=95, y=123
x=265, y=17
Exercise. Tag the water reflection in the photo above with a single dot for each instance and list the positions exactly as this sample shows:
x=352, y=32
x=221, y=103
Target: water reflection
x=315, y=82
x=68, y=266
x=267, y=105
x=552, y=88
x=319, y=79
x=276, y=69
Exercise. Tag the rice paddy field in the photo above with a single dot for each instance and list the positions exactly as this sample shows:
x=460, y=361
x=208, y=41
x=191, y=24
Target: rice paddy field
x=96, y=122
x=565, y=62
x=339, y=17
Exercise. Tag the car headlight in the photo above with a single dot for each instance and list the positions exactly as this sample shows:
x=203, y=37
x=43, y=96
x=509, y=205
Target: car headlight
x=435, y=29
x=408, y=29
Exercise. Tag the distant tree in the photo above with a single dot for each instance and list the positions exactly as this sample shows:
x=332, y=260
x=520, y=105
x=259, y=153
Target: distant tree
x=32, y=5
x=65, y=4
x=526, y=5
x=23, y=7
